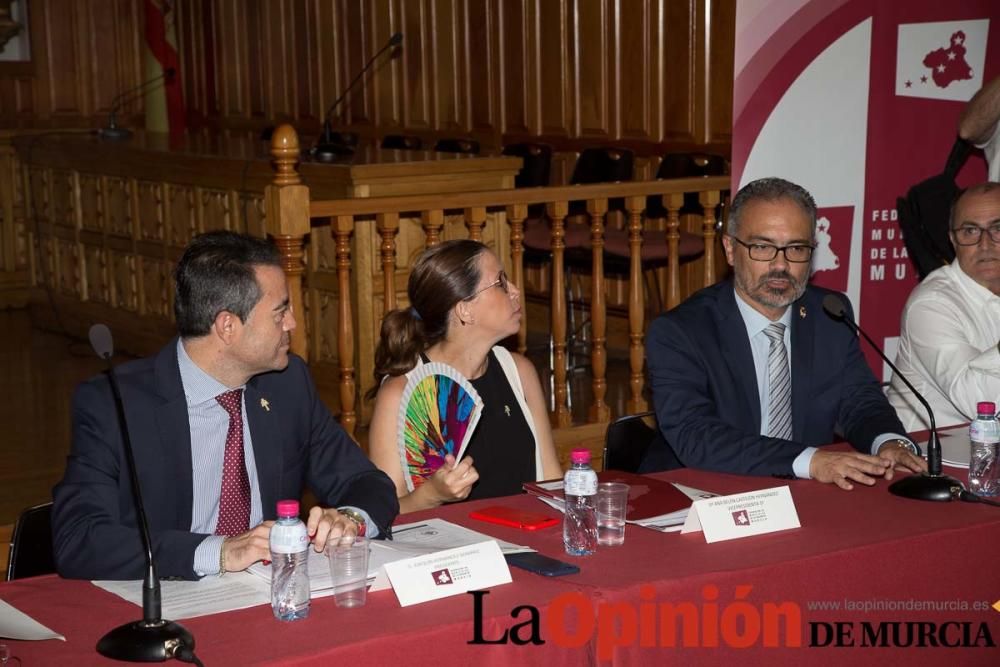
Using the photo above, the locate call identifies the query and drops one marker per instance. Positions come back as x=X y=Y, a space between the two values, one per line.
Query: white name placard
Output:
x=743 y=514
x=449 y=572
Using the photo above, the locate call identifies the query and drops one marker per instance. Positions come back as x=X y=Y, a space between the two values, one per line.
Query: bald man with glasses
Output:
x=750 y=376
x=948 y=346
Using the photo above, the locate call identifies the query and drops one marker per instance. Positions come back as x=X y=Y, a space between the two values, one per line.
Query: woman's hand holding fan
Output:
x=438 y=412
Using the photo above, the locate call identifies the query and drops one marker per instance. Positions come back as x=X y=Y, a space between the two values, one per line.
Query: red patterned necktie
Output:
x=234 y=503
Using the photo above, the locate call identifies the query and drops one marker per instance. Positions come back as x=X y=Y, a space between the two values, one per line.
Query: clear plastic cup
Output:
x=612 y=502
x=349 y=571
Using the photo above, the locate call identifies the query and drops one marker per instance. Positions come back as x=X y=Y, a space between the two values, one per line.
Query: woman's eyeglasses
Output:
x=501 y=281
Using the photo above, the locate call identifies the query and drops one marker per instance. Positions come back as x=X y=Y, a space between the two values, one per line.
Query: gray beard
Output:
x=771 y=298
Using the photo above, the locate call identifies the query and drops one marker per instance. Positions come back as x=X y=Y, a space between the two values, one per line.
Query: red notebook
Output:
x=647 y=496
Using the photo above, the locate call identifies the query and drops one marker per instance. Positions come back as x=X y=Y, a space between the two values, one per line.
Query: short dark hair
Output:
x=770 y=189
x=217 y=273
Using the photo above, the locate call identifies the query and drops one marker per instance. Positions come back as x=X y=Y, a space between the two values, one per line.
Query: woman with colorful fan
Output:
x=449 y=395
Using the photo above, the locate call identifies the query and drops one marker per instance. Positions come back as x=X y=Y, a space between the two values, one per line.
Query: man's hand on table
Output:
x=241 y=551
x=900 y=457
x=841 y=468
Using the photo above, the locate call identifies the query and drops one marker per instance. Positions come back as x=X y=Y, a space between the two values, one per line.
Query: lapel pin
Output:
x=802 y=312
x=506 y=409
x=264 y=404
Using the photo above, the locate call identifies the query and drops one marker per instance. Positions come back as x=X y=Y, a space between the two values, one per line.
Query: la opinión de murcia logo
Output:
x=573 y=620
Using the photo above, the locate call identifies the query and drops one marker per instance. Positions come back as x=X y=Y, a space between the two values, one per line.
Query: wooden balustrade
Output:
x=428 y=213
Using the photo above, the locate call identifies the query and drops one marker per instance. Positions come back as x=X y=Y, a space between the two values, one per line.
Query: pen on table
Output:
x=403 y=530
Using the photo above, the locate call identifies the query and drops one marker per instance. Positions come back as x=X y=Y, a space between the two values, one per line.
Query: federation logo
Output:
x=941 y=60
x=832 y=257
x=741 y=518
x=442 y=577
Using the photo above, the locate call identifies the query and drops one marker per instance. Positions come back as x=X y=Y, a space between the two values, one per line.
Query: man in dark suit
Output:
x=750 y=375
x=224 y=423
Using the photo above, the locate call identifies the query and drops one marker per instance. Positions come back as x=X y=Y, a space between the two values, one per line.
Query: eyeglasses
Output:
x=501 y=281
x=765 y=252
x=972 y=234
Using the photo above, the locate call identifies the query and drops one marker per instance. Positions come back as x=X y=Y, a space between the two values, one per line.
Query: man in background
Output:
x=979 y=124
x=950 y=327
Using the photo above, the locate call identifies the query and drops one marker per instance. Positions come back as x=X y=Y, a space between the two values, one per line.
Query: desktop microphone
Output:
x=330 y=145
x=931 y=485
x=112 y=131
x=152 y=639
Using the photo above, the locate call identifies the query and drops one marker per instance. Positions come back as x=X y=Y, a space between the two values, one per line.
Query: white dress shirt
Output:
x=947 y=349
x=991 y=149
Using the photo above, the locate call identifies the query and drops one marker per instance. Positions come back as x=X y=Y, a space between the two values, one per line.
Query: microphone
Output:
x=152 y=639
x=931 y=485
x=330 y=145
x=112 y=131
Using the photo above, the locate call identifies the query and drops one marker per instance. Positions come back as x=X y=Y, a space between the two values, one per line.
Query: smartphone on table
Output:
x=515 y=518
x=541 y=564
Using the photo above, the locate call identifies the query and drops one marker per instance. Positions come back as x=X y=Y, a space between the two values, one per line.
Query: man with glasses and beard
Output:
x=750 y=376
x=948 y=347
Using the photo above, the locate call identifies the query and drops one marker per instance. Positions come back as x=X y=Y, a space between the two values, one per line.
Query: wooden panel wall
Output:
x=653 y=74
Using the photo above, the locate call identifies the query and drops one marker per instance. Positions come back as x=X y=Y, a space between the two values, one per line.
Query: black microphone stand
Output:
x=332 y=145
x=115 y=132
x=152 y=639
x=931 y=485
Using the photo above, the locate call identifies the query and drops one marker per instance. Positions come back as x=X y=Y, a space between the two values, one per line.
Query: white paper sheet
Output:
x=239 y=590
x=189 y=599
x=408 y=540
x=15 y=624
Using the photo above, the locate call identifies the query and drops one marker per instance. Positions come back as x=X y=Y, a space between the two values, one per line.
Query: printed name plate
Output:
x=743 y=514
x=449 y=572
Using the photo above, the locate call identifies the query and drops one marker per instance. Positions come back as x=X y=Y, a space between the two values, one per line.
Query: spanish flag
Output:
x=164 y=104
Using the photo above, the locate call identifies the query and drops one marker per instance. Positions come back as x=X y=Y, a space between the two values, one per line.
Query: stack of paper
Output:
x=408 y=540
x=955 y=447
x=239 y=590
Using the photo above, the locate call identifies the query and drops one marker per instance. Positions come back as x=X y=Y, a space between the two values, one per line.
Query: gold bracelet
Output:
x=222 y=558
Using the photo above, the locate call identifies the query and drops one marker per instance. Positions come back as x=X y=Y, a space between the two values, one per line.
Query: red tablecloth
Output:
x=919 y=562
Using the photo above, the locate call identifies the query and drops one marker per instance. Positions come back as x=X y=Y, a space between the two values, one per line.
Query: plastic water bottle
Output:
x=289 y=564
x=984 y=434
x=580 y=491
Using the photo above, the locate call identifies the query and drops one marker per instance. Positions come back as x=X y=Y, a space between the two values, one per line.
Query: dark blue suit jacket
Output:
x=296 y=442
x=704 y=387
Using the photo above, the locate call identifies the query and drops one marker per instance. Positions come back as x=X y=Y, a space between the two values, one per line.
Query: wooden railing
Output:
x=291 y=216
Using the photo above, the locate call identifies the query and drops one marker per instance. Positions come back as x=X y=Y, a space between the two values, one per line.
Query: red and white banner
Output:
x=164 y=103
x=858 y=100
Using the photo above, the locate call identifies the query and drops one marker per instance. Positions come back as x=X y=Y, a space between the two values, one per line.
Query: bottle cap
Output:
x=288 y=508
x=986 y=408
x=580 y=455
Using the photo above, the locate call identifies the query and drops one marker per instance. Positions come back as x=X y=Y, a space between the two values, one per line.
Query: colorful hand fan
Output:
x=437 y=414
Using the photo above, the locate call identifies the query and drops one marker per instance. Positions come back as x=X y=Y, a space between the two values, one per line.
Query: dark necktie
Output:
x=234 y=503
x=779 y=383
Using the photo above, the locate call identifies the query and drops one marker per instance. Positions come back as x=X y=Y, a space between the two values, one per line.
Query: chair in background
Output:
x=594 y=165
x=31 y=544
x=402 y=142
x=606 y=164
x=685 y=165
x=537 y=163
x=470 y=146
x=627 y=440
x=655 y=251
